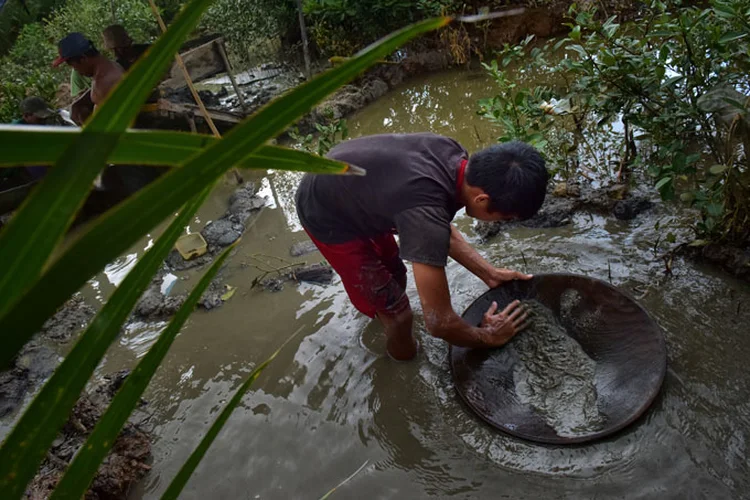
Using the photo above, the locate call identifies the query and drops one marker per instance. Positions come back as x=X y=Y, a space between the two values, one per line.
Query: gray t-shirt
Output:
x=410 y=188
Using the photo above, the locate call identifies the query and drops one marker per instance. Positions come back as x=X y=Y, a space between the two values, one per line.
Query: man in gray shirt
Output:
x=414 y=186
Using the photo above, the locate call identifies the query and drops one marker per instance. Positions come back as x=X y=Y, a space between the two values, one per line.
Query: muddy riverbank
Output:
x=131 y=454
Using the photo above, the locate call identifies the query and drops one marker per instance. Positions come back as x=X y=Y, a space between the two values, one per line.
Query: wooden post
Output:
x=303 y=30
x=190 y=85
x=231 y=76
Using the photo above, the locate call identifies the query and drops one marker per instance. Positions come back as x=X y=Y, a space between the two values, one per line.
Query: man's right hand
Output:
x=503 y=326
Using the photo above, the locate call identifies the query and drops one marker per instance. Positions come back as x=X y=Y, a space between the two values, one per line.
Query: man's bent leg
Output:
x=374 y=290
x=401 y=344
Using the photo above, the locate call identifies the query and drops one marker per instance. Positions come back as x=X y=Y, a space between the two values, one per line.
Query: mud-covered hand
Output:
x=501 y=326
x=499 y=276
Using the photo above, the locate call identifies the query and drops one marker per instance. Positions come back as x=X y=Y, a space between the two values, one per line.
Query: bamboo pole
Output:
x=236 y=88
x=190 y=85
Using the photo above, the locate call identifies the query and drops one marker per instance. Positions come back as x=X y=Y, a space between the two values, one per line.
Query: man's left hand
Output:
x=500 y=276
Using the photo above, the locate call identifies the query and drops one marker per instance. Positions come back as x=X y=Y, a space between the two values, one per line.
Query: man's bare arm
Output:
x=443 y=322
x=467 y=256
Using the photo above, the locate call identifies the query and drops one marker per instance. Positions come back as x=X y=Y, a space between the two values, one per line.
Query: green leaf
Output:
x=28 y=240
x=575 y=34
x=580 y=50
x=179 y=482
x=229 y=293
x=85 y=464
x=731 y=37
x=559 y=44
x=671 y=238
x=671 y=81
x=27 y=444
x=692 y=158
x=118 y=229
x=718 y=169
x=140 y=147
x=715 y=209
x=687 y=197
x=662 y=182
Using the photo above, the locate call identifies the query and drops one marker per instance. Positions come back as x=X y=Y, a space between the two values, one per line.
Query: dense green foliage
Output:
x=671 y=87
x=330 y=132
x=26 y=69
x=340 y=27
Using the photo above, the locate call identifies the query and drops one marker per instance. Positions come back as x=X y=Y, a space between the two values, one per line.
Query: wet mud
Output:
x=565 y=200
x=554 y=375
x=125 y=464
x=732 y=259
x=37 y=360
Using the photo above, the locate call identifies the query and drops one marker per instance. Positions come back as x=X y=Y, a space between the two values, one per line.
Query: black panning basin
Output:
x=625 y=342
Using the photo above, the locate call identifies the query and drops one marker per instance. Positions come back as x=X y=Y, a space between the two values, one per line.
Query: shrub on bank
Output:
x=673 y=86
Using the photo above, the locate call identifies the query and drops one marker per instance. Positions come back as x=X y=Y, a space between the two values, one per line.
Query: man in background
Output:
x=80 y=54
x=36 y=111
x=117 y=39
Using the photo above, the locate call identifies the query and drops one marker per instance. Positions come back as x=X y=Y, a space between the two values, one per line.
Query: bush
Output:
x=340 y=27
x=90 y=17
x=26 y=71
x=675 y=83
x=260 y=21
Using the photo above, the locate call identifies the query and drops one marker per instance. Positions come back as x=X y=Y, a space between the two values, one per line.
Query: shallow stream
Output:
x=332 y=401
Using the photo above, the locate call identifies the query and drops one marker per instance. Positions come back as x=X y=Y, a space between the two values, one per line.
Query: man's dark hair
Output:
x=513 y=175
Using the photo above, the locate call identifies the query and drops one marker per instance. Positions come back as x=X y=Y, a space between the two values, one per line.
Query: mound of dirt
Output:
x=125 y=464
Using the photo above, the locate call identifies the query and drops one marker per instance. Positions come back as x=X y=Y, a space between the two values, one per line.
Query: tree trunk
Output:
x=303 y=30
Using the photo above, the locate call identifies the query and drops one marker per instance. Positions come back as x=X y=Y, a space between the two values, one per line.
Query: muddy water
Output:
x=332 y=401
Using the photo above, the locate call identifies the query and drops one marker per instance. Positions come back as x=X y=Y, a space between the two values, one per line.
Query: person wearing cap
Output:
x=117 y=40
x=80 y=53
x=36 y=111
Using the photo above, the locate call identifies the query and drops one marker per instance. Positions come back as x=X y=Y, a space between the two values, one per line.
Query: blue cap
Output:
x=73 y=45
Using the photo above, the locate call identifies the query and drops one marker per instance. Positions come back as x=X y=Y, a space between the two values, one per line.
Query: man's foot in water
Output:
x=402 y=349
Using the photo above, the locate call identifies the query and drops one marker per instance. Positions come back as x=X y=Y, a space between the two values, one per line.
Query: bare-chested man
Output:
x=81 y=54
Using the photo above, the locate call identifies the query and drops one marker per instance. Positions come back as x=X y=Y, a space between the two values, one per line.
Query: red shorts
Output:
x=373 y=274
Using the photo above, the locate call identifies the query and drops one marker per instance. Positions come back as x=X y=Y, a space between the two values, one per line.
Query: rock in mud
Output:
x=244 y=202
x=564 y=200
x=555 y=376
x=154 y=305
x=631 y=208
x=735 y=260
x=125 y=464
x=555 y=212
x=374 y=90
x=70 y=319
x=222 y=233
x=302 y=248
